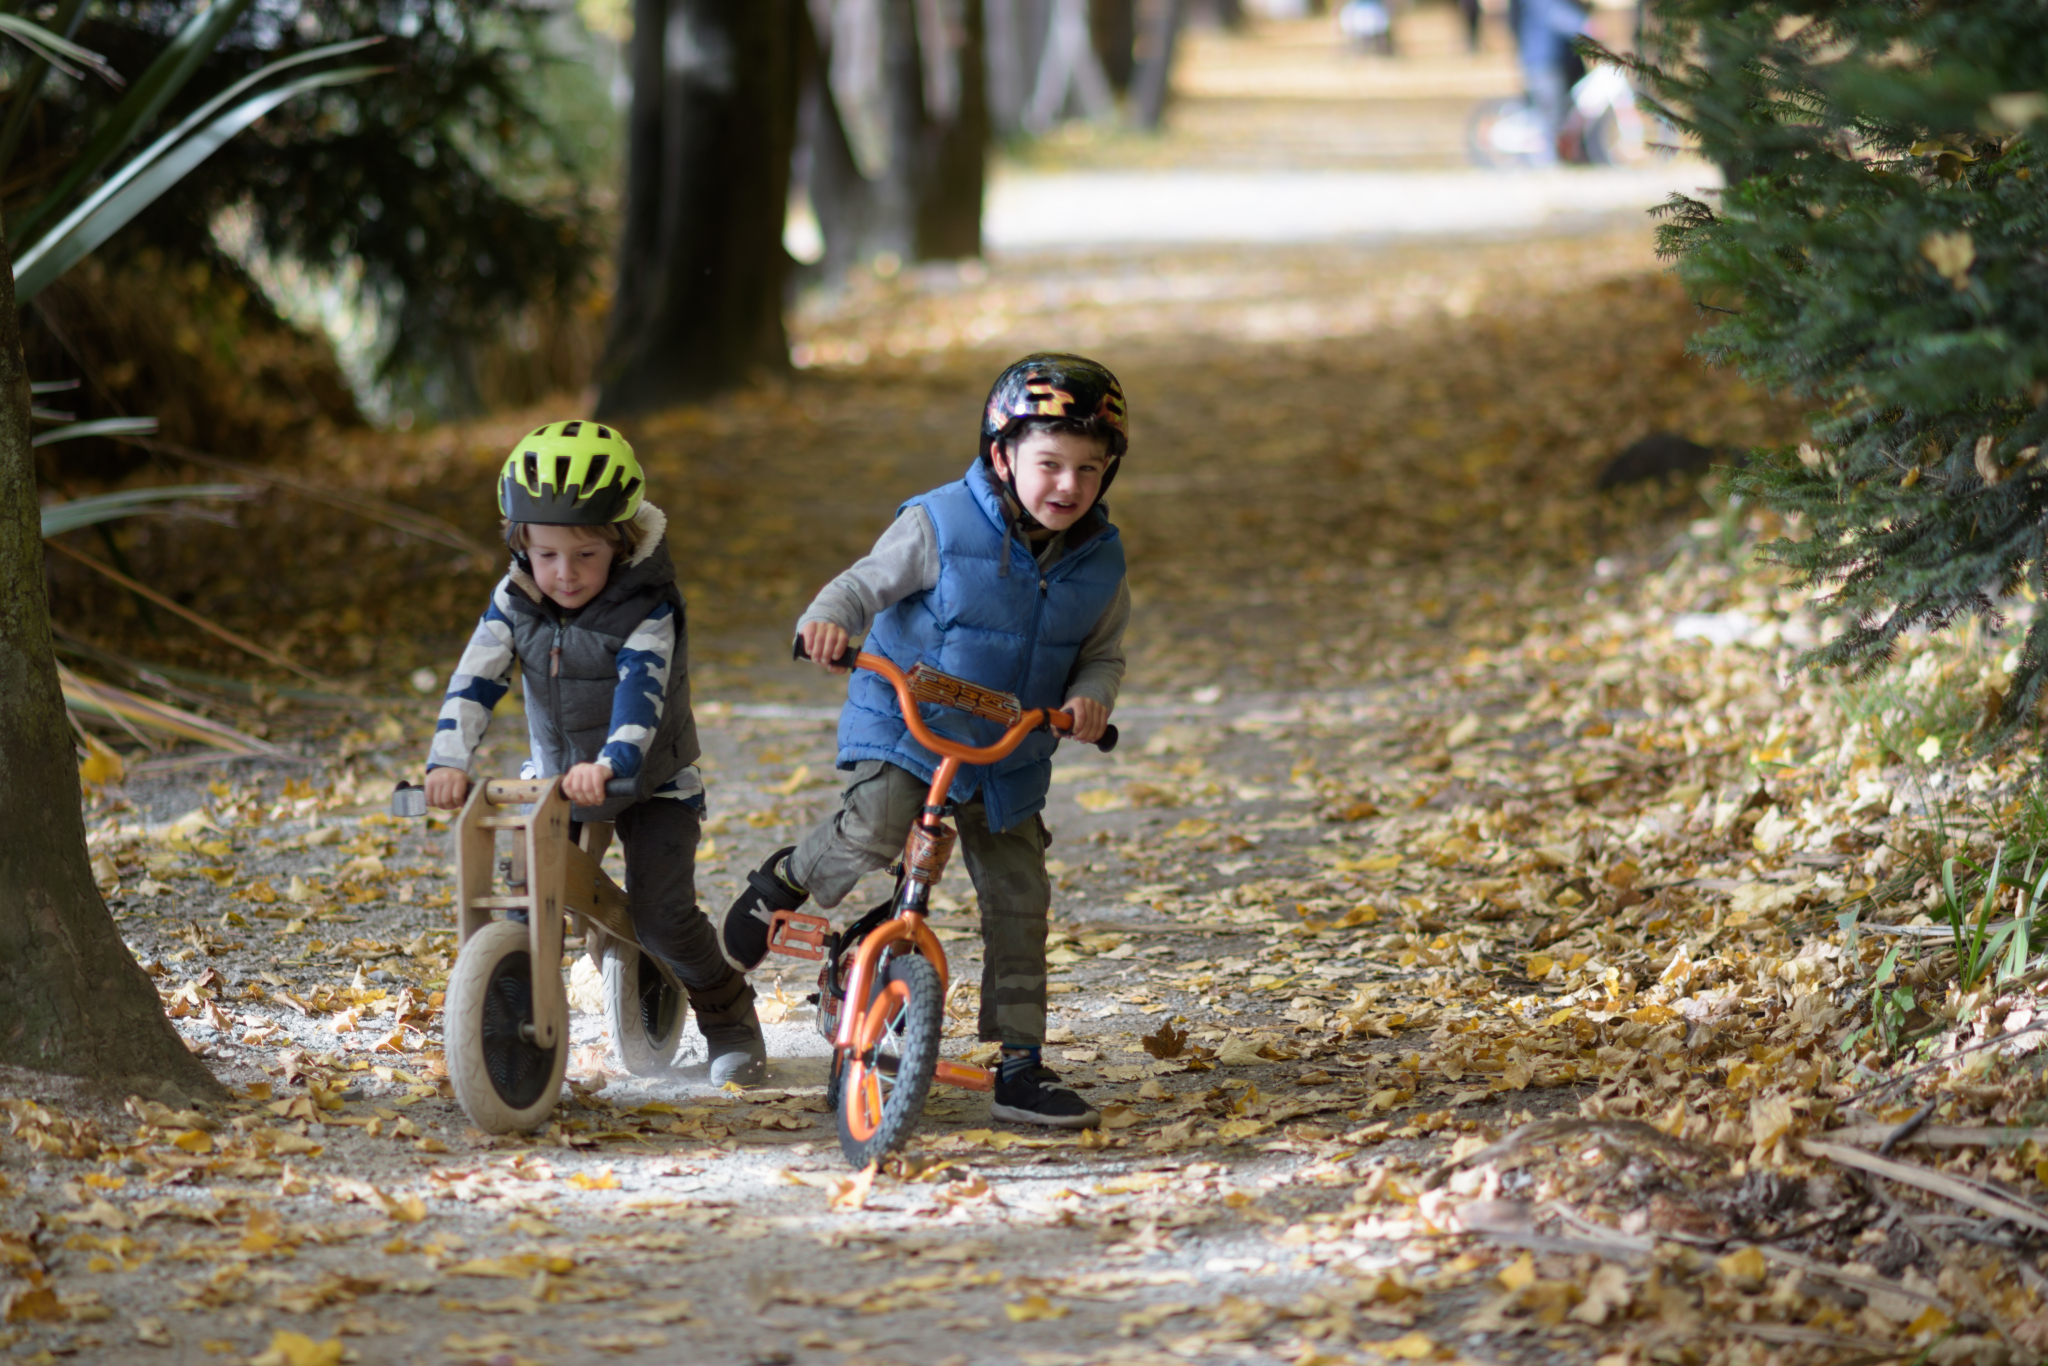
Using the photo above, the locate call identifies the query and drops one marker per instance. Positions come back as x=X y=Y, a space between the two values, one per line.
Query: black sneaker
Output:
x=744 y=934
x=1030 y=1095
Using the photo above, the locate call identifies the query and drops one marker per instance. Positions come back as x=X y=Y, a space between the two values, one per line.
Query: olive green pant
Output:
x=1007 y=869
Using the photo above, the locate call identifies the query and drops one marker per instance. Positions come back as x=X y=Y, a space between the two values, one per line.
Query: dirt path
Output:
x=1228 y=1187
x=1452 y=799
x=1364 y=841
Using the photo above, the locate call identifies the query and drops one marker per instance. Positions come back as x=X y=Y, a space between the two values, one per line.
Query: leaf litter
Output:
x=1482 y=945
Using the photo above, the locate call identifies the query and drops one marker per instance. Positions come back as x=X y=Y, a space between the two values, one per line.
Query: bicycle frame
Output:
x=925 y=854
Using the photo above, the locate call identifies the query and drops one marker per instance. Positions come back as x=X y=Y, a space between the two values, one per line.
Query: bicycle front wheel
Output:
x=504 y=1082
x=883 y=1085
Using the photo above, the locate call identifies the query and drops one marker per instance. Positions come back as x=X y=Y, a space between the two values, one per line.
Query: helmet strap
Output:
x=1014 y=508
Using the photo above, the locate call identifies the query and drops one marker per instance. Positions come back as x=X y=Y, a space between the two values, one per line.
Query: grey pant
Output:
x=1007 y=869
x=659 y=841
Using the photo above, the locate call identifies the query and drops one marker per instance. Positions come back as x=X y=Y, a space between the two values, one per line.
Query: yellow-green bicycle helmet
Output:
x=577 y=473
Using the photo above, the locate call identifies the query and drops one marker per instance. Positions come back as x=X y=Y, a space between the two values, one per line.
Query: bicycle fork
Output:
x=926 y=852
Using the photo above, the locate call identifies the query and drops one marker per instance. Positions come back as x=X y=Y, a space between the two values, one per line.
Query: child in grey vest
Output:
x=591 y=612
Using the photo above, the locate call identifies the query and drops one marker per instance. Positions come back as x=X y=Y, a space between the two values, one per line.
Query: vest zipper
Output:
x=555 y=691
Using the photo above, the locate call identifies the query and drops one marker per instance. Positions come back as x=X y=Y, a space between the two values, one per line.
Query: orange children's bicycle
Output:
x=882 y=992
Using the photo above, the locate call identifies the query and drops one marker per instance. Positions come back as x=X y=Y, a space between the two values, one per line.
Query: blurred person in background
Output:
x=1544 y=30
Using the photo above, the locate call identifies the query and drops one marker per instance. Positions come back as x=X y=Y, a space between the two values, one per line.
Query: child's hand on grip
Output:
x=584 y=784
x=1090 y=718
x=447 y=788
x=824 y=641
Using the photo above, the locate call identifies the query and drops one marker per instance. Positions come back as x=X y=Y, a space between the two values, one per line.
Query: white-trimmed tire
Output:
x=644 y=1010
x=503 y=1082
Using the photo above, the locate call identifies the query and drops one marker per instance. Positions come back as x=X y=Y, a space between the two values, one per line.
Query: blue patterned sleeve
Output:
x=644 y=663
x=481 y=678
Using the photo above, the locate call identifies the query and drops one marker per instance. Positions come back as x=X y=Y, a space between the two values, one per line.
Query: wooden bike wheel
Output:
x=504 y=1082
x=643 y=1010
x=883 y=1084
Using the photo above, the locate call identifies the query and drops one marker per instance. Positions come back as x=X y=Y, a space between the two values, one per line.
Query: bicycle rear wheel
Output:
x=882 y=1087
x=643 y=1009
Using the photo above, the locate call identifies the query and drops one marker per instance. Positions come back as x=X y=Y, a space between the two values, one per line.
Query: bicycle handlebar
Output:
x=855 y=658
x=408 y=800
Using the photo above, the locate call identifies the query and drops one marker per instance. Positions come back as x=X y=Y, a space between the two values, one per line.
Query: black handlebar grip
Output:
x=622 y=787
x=849 y=658
x=1108 y=740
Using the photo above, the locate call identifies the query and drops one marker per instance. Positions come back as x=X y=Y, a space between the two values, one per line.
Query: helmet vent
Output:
x=532 y=480
x=561 y=471
x=604 y=434
x=627 y=490
x=571 y=428
x=593 y=477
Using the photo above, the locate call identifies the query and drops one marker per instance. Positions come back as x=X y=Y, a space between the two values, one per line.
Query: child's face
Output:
x=569 y=563
x=1059 y=475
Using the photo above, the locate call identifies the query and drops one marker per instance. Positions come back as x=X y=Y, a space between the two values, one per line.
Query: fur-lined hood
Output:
x=650 y=525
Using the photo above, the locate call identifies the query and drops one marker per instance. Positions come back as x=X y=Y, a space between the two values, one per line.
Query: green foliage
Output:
x=156 y=169
x=73 y=513
x=1990 y=902
x=457 y=197
x=1878 y=250
x=1892 y=1002
x=1926 y=708
x=1972 y=894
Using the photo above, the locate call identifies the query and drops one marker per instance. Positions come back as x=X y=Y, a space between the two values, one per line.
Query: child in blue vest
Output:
x=1013 y=578
x=591 y=613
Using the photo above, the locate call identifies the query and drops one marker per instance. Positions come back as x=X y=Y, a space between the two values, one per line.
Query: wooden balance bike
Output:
x=882 y=993
x=505 y=1019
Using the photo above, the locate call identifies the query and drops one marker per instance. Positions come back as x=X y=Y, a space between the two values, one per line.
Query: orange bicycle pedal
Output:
x=798 y=934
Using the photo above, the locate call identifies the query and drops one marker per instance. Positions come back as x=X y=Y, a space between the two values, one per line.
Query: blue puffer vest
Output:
x=1020 y=633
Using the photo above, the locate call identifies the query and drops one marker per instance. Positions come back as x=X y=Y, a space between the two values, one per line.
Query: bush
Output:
x=1878 y=251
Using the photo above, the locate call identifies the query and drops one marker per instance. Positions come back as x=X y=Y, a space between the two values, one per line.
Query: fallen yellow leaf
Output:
x=1746 y=1267
x=101 y=765
x=1407 y=1347
x=1032 y=1308
x=296 y=1349
x=851 y=1193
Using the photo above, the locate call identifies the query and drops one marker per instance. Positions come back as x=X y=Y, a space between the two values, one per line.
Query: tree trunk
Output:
x=1068 y=76
x=1154 y=76
x=1004 y=64
x=907 y=75
x=1116 y=40
x=841 y=196
x=701 y=265
x=72 y=999
x=955 y=151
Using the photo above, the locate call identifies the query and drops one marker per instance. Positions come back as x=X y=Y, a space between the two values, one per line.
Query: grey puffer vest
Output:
x=570 y=665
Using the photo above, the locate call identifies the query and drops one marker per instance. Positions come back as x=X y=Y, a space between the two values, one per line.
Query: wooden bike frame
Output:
x=557 y=875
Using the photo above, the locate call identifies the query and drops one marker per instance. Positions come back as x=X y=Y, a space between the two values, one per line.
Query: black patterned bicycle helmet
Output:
x=1055 y=385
